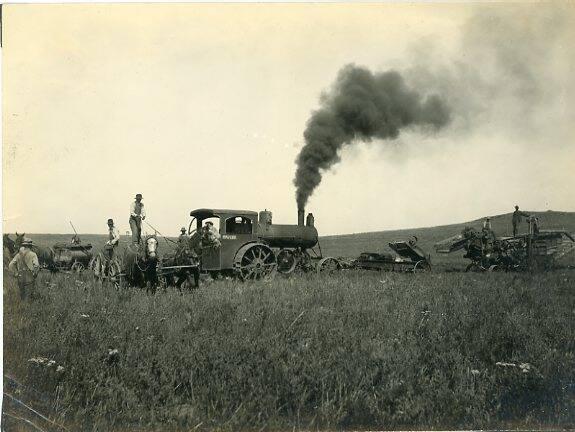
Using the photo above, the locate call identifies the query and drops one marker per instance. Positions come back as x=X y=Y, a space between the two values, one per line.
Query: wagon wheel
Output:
x=92 y=263
x=189 y=282
x=95 y=266
x=162 y=281
x=328 y=265
x=114 y=273
x=304 y=262
x=474 y=267
x=77 y=267
x=421 y=266
x=255 y=262
x=287 y=261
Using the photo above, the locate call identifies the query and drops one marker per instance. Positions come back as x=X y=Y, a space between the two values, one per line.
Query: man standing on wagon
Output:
x=113 y=240
x=137 y=215
x=516 y=219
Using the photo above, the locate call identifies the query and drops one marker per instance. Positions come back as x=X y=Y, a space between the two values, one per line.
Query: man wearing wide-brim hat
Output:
x=137 y=215
x=25 y=267
x=113 y=239
x=516 y=219
x=183 y=238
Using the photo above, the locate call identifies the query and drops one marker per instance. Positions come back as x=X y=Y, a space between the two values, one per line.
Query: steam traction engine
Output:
x=252 y=247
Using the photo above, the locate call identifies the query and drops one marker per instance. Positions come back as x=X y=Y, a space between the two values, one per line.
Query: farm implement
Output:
x=409 y=258
x=72 y=256
x=536 y=250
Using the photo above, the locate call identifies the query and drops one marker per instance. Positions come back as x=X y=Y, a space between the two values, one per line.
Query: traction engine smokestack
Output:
x=300 y=216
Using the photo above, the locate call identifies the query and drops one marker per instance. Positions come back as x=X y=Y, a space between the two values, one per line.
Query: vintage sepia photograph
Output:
x=288 y=216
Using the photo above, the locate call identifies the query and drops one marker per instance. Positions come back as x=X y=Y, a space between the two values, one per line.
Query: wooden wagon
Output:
x=409 y=258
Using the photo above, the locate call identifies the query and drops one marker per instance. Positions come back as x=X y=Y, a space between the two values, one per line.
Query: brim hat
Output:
x=139 y=196
x=110 y=221
x=27 y=242
x=183 y=229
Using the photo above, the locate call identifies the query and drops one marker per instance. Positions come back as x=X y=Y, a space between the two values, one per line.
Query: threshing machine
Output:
x=535 y=250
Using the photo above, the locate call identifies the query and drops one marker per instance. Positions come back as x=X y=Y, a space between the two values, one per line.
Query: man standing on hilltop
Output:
x=516 y=219
x=137 y=215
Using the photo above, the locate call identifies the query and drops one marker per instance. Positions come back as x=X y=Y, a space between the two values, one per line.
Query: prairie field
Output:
x=350 y=350
x=344 y=351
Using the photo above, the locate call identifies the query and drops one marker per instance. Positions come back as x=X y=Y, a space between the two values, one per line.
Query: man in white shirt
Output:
x=113 y=240
x=25 y=267
x=137 y=215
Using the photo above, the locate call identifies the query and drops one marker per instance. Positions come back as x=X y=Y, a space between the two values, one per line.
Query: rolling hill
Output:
x=351 y=245
x=354 y=244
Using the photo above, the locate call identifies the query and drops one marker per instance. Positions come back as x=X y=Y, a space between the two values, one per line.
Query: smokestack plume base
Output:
x=300 y=216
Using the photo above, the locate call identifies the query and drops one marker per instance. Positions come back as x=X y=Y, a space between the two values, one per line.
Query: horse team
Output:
x=141 y=265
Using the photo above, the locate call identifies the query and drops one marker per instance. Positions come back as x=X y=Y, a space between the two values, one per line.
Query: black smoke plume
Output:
x=360 y=107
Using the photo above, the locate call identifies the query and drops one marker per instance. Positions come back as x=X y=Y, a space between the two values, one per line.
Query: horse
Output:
x=140 y=261
x=9 y=248
x=45 y=254
x=185 y=255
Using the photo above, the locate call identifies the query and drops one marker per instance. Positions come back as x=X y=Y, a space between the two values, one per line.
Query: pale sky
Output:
x=204 y=105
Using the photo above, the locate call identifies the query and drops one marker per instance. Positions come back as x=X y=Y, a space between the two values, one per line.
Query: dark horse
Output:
x=9 y=248
x=181 y=276
x=45 y=254
x=140 y=262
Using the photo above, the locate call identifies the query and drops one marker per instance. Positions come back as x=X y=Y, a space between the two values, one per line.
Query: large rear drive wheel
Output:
x=255 y=262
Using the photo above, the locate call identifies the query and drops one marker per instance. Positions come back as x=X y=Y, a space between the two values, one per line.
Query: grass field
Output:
x=350 y=350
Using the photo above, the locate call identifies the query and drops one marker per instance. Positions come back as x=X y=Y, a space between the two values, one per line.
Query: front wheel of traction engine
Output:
x=286 y=261
x=328 y=265
x=255 y=262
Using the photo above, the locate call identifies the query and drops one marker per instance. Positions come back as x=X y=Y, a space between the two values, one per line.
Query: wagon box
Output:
x=72 y=256
x=411 y=258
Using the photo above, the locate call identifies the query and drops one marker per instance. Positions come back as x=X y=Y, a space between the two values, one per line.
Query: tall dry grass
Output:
x=352 y=350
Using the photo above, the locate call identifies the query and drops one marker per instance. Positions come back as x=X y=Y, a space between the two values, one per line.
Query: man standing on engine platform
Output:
x=516 y=219
x=137 y=215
